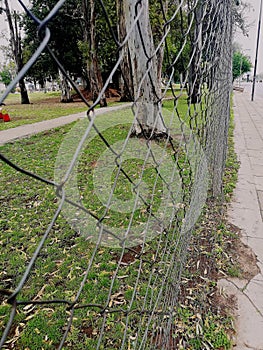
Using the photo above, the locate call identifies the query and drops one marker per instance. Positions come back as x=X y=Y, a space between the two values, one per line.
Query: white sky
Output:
x=249 y=43
x=14 y=4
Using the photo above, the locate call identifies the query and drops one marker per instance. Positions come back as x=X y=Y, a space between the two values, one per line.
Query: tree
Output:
x=241 y=64
x=16 y=45
x=5 y=76
x=240 y=8
x=66 y=33
x=89 y=38
x=160 y=13
x=146 y=85
x=196 y=55
x=125 y=80
x=79 y=40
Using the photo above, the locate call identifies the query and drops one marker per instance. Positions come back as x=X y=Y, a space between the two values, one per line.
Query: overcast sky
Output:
x=249 y=43
x=14 y=4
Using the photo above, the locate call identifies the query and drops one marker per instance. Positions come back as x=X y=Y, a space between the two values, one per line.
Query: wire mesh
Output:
x=127 y=188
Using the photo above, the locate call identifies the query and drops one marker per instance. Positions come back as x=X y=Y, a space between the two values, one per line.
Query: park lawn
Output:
x=27 y=207
x=44 y=106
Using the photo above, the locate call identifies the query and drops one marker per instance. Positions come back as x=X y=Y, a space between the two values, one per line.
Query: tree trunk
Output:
x=23 y=92
x=147 y=87
x=66 y=96
x=125 y=83
x=196 y=57
x=160 y=53
x=15 y=41
x=93 y=69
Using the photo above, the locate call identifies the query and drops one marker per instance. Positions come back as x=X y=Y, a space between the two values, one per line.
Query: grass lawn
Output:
x=44 y=106
x=126 y=282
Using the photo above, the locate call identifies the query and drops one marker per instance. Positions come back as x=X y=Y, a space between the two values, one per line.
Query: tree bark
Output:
x=126 y=82
x=15 y=41
x=196 y=56
x=160 y=53
x=93 y=69
x=147 y=87
x=66 y=96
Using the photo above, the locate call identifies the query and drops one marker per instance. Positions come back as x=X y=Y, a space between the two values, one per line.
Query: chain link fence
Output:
x=130 y=185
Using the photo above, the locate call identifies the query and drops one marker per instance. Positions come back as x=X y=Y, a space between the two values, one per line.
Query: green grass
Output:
x=26 y=210
x=203 y=331
x=232 y=163
x=44 y=106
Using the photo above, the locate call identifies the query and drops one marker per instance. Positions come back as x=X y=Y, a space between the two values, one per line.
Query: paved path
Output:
x=246 y=212
x=31 y=129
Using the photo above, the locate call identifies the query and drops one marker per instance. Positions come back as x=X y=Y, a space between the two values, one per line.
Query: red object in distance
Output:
x=6 y=117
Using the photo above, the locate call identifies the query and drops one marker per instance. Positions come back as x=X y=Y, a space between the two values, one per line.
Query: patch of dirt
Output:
x=163 y=341
x=227 y=305
x=130 y=256
x=213 y=250
x=247 y=260
x=111 y=95
x=88 y=331
x=243 y=256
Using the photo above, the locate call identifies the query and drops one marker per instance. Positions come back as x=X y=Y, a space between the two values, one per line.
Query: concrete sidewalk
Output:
x=246 y=212
x=12 y=134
